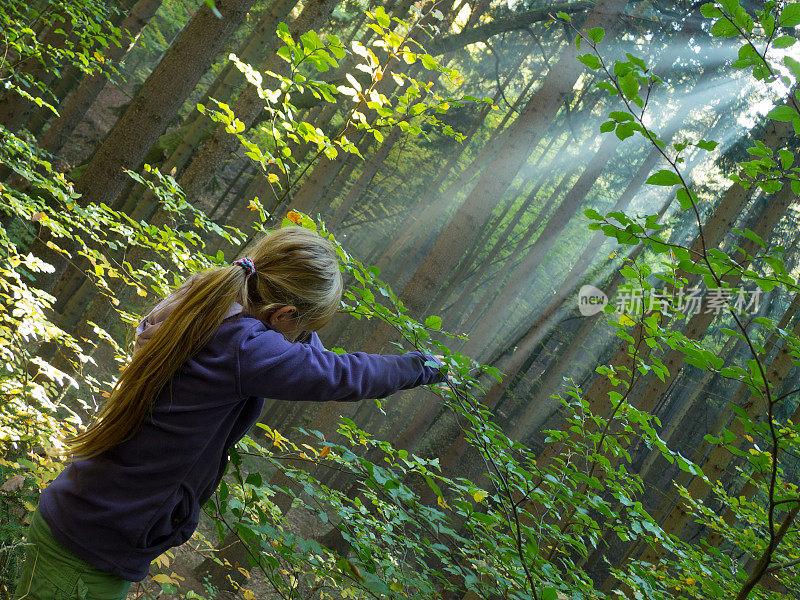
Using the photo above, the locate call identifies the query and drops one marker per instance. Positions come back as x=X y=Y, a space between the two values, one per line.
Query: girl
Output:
x=203 y=361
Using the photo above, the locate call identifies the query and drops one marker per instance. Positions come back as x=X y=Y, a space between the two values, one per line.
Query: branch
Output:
x=484 y=32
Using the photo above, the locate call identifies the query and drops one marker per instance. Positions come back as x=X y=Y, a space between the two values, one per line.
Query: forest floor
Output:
x=188 y=556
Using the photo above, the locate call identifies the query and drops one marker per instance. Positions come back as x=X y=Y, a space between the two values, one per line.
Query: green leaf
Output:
x=620 y=116
x=707 y=145
x=593 y=214
x=784 y=41
x=596 y=34
x=433 y=322
x=548 y=594
x=783 y=113
x=625 y=130
x=590 y=60
x=254 y=479
x=629 y=85
x=212 y=6
x=724 y=28
x=787 y=158
x=381 y=16
x=790 y=16
x=664 y=177
x=792 y=65
x=686 y=199
x=429 y=62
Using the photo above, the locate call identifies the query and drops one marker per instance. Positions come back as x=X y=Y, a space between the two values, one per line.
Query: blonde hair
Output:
x=293 y=266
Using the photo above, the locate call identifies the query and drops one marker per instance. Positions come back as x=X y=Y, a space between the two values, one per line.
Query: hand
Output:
x=443 y=386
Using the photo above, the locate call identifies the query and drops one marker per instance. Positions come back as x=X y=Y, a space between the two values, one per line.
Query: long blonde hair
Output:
x=293 y=266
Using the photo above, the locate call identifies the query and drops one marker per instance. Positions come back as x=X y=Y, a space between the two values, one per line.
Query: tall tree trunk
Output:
x=537 y=253
x=365 y=178
x=72 y=75
x=247 y=108
x=569 y=207
x=79 y=101
x=259 y=46
x=465 y=270
x=159 y=100
x=418 y=220
x=261 y=42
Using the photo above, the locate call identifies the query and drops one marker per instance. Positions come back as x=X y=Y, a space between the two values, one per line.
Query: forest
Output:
x=587 y=208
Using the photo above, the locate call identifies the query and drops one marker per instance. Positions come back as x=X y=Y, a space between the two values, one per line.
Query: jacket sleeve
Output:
x=270 y=366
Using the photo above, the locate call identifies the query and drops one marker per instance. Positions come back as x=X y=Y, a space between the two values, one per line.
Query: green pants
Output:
x=50 y=572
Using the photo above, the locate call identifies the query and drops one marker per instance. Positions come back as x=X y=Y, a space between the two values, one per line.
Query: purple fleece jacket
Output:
x=122 y=509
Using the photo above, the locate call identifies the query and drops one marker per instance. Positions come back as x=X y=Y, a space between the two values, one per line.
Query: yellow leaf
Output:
x=162 y=578
x=272 y=178
x=749 y=439
x=396 y=587
x=626 y=320
x=441 y=502
x=479 y=495
x=248 y=595
x=162 y=561
x=325 y=451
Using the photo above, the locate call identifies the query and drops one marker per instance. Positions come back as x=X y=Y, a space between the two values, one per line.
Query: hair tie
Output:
x=247 y=264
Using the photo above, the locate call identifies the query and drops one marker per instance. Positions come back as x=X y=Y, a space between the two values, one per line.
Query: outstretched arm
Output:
x=270 y=366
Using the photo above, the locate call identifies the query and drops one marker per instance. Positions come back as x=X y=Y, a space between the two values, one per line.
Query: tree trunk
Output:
x=77 y=103
x=465 y=268
x=246 y=108
x=260 y=46
x=159 y=100
x=416 y=221
x=568 y=208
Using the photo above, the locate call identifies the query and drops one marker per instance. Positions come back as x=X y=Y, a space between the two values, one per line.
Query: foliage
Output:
x=412 y=530
x=76 y=32
x=765 y=515
x=370 y=105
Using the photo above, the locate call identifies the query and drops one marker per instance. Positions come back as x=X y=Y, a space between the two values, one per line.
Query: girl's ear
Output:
x=283 y=315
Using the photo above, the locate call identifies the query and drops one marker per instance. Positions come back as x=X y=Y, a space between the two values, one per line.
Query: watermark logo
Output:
x=591 y=300
x=690 y=301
